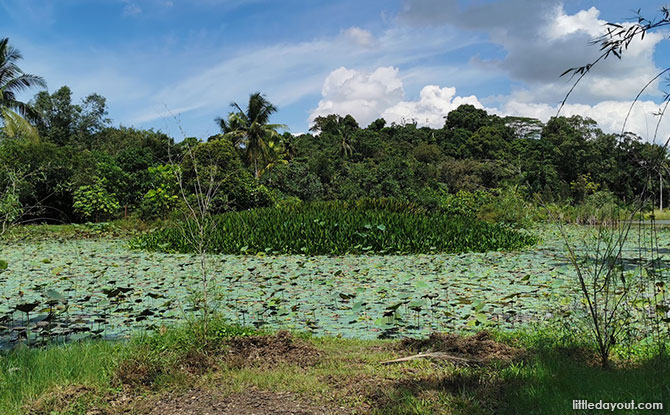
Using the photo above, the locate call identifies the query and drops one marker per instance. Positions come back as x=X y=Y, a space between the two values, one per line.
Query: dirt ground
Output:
x=250 y=402
x=480 y=348
x=269 y=351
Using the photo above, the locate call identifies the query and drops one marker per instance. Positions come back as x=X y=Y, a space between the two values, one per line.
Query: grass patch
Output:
x=658 y=214
x=26 y=374
x=335 y=228
x=185 y=362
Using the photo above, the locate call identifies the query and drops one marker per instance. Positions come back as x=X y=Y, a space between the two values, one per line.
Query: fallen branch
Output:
x=434 y=355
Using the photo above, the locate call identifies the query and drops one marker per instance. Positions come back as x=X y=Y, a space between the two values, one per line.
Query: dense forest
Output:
x=79 y=167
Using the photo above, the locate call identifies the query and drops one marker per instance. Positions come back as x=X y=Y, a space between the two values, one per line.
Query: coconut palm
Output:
x=15 y=115
x=250 y=131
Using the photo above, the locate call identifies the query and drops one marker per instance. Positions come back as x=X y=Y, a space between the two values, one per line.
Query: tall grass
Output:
x=335 y=228
x=27 y=373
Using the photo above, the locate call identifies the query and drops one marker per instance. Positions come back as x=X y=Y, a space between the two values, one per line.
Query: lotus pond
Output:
x=64 y=289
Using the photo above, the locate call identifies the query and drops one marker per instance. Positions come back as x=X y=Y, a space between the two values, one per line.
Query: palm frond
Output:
x=12 y=81
x=23 y=82
x=17 y=126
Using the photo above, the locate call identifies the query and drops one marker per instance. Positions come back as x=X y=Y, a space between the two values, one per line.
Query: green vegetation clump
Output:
x=335 y=228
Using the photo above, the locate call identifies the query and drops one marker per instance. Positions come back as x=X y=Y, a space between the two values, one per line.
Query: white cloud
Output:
x=585 y=21
x=380 y=93
x=360 y=37
x=541 y=41
x=432 y=107
x=292 y=71
x=364 y=95
x=370 y=95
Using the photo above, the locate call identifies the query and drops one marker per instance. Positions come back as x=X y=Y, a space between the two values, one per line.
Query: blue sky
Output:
x=157 y=60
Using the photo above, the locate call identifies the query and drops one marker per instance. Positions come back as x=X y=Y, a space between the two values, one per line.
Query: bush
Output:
x=162 y=198
x=295 y=179
x=325 y=228
x=465 y=203
x=602 y=206
x=599 y=207
x=509 y=207
x=94 y=201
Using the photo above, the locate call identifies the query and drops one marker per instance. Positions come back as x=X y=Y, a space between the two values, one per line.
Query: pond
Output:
x=73 y=288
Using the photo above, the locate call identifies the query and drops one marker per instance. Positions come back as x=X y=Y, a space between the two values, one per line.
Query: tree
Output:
x=58 y=115
x=250 y=130
x=341 y=127
x=15 y=114
x=467 y=117
x=64 y=123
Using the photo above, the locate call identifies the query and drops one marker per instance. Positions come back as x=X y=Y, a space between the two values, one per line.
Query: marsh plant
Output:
x=336 y=228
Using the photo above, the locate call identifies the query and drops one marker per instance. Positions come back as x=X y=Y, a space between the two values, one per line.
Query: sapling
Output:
x=611 y=294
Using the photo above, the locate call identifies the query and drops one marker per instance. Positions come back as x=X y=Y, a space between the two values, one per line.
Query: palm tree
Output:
x=15 y=115
x=249 y=130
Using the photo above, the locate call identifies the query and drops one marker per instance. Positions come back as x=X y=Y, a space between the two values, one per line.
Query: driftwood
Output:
x=434 y=355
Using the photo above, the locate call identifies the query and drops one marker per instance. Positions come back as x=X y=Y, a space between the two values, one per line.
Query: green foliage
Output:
x=217 y=161
x=563 y=161
x=295 y=179
x=11 y=209
x=599 y=207
x=509 y=206
x=64 y=123
x=339 y=228
x=465 y=203
x=162 y=197
x=94 y=201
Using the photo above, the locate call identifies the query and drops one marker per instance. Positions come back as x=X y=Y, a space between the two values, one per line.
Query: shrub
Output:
x=217 y=161
x=162 y=198
x=295 y=179
x=465 y=203
x=94 y=201
x=509 y=207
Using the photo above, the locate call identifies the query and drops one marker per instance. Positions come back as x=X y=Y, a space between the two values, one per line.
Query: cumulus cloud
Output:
x=432 y=107
x=585 y=21
x=370 y=95
x=364 y=95
x=541 y=40
x=610 y=116
x=288 y=72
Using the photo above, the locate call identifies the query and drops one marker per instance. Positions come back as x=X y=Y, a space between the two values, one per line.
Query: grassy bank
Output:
x=538 y=371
